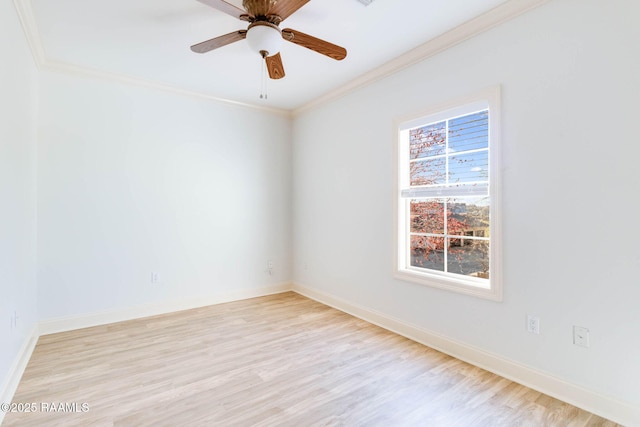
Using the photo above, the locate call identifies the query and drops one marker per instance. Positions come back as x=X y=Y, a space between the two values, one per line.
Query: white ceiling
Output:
x=150 y=40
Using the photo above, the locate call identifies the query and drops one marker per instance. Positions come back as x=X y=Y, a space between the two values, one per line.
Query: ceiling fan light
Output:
x=264 y=37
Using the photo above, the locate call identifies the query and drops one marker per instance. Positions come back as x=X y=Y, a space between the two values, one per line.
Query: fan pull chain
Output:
x=263 y=79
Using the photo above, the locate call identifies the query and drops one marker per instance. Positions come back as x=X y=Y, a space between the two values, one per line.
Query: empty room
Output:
x=319 y=213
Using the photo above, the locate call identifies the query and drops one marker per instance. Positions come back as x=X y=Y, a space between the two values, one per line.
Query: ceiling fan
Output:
x=264 y=34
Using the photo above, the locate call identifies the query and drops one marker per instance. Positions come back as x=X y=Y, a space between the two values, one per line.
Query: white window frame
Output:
x=491 y=288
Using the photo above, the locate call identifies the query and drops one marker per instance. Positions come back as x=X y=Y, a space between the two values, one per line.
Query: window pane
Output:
x=469 y=132
x=427 y=141
x=471 y=167
x=456 y=216
x=427 y=252
x=469 y=216
x=469 y=257
x=428 y=172
x=427 y=216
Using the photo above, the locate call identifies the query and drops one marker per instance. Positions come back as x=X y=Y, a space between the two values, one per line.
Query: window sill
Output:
x=461 y=286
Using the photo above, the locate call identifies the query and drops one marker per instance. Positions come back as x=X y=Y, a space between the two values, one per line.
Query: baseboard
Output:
x=63 y=324
x=10 y=385
x=606 y=407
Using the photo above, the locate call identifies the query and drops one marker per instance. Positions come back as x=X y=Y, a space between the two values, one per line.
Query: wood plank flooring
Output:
x=281 y=360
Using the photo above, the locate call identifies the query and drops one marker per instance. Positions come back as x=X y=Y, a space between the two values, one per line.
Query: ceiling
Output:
x=149 y=40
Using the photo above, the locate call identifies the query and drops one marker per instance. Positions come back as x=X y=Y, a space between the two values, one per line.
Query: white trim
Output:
x=10 y=384
x=24 y=9
x=69 y=68
x=443 y=191
x=63 y=324
x=615 y=410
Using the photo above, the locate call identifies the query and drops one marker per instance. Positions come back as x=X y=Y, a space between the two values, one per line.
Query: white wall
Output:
x=133 y=180
x=18 y=114
x=570 y=89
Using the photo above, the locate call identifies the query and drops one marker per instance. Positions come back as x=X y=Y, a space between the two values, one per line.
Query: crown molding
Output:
x=65 y=67
x=27 y=19
x=469 y=29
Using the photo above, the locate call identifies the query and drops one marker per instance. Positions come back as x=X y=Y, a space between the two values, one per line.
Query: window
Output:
x=447 y=197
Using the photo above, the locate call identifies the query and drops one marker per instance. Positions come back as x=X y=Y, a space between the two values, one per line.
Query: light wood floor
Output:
x=281 y=360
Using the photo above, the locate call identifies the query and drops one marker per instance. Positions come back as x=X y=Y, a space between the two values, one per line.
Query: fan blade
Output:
x=220 y=41
x=285 y=8
x=275 y=67
x=331 y=50
x=225 y=7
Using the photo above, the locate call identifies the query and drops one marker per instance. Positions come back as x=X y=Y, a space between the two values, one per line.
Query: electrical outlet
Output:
x=155 y=277
x=270 y=265
x=581 y=336
x=533 y=324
